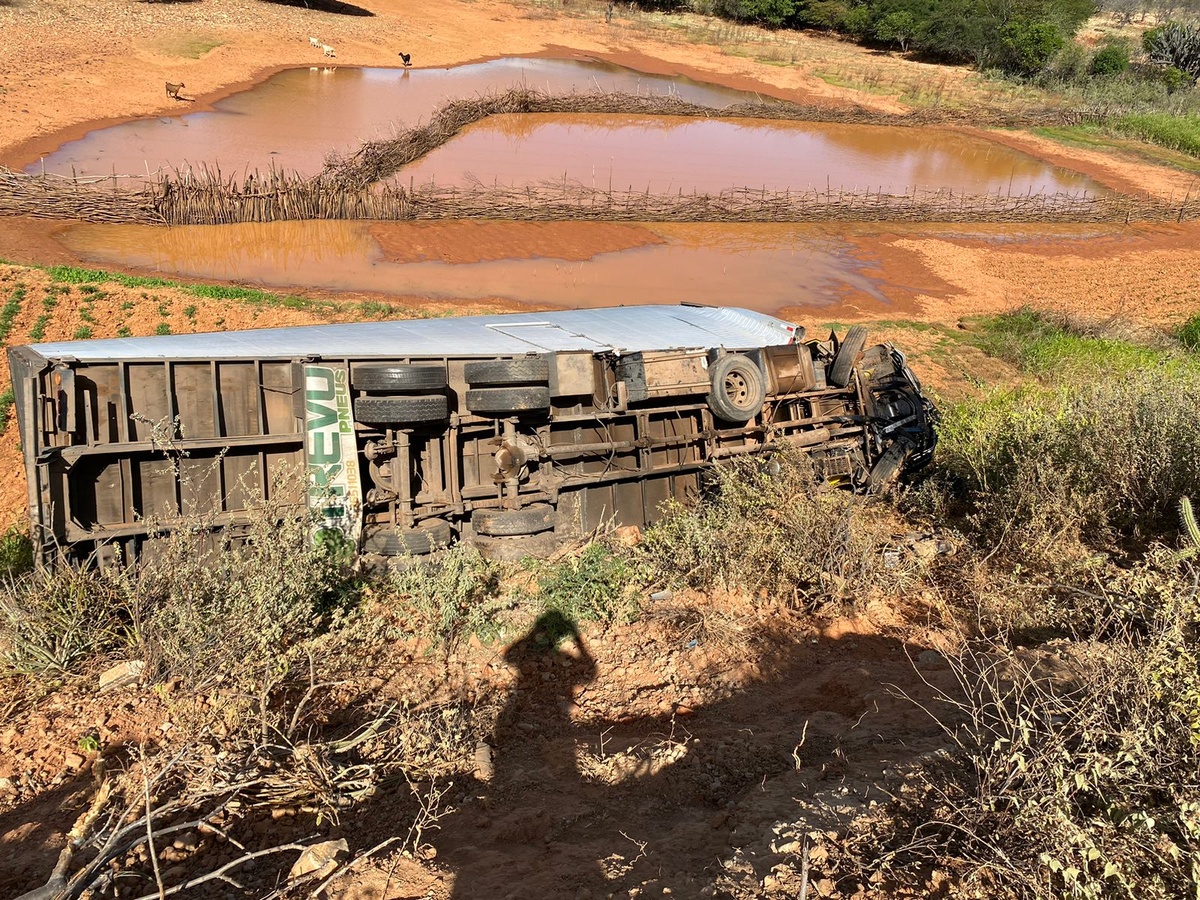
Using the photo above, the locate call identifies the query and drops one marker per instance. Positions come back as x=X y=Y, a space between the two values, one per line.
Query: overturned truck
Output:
x=509 y=431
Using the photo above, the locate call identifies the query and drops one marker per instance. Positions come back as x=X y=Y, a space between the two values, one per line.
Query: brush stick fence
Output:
x=354 y=186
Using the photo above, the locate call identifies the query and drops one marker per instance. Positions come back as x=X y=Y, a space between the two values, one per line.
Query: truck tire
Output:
x=399 y=379
x=526 y=370
x=512 y=522
x=515 y=549
x=847 y=355
x=504 y=401
x=390 y=411
x=738 y=388
x=427 y=536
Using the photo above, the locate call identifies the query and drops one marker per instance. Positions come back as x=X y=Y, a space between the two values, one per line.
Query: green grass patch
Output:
x=16 y=549
x=38 y=331
x=76 y=275
x=1093 y=137
x=12 y=309
x=1046 y=348
x=1189 y=333
x=197 y=48
x=162 y=328
x=82 y=333
x=1176 y=132
x=839 y=81
x=7 y=399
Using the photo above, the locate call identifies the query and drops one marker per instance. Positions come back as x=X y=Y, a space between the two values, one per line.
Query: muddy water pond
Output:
x=665 y=154
x=564 y=264
x=293 y=119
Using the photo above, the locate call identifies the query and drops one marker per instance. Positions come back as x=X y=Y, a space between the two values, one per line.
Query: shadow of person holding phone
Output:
x=537 y=803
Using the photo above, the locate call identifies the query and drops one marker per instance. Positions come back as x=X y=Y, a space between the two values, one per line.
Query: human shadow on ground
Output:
x=609 y=775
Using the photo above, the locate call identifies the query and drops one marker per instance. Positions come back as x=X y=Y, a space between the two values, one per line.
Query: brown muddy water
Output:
x=665 y=154
x=764 y=267
x=293 y=119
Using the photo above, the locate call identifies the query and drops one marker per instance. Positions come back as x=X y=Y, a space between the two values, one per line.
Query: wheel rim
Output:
x=737 y=388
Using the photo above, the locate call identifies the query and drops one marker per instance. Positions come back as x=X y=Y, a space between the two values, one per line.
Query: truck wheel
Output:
x=511 y=522
x=388 y=411
x=738 y=388
x=502 y=401
x=526 y=370
x=399 y=379
x=847 y=355
x=515 y=549
x=427 y=536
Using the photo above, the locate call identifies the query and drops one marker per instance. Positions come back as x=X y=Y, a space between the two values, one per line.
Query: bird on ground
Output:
x=405 y=58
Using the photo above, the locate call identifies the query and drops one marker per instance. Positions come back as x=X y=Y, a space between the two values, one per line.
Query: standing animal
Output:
x=174 y=89
x=328 y=50
x=405 y=58
x=314 y=42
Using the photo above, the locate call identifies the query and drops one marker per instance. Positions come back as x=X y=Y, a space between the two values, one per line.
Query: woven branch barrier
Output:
x=281 y=196
x=353 y=186
x=50 y=198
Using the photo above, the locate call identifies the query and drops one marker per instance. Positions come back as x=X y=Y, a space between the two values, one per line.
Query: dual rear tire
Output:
x=413 y=395
x=507 y=387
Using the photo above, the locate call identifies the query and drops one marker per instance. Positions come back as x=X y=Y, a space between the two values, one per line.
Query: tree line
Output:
x=1016 y=36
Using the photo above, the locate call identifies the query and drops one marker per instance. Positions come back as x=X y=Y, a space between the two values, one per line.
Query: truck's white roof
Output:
x=622 y=329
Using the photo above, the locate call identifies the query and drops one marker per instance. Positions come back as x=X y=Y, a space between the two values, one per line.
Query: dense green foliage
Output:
x=1019 y=37
x=1111 y=60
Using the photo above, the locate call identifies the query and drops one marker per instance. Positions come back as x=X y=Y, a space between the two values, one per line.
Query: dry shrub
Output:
x=1075 y=768
x=53 y=621
x=195 y=606
x=770 y=528
x=246 y=604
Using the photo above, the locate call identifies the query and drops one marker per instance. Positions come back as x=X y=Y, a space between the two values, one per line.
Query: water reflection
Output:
x=666 y=154
x=764 y=267
x=293 y=119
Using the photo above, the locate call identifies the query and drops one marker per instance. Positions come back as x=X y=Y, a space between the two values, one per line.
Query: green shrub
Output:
x=1189 y=333
x=16 y=552
x=1080 y=764
x=1175 y=80
x=56 y=620
x=1096 y=463
x=1175 y=44
x=242 y=607
x=1111 y=60
x=1070 y=65
x=897 y=27
x=1026 y=46
x=454 y=595
x=597 y=586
